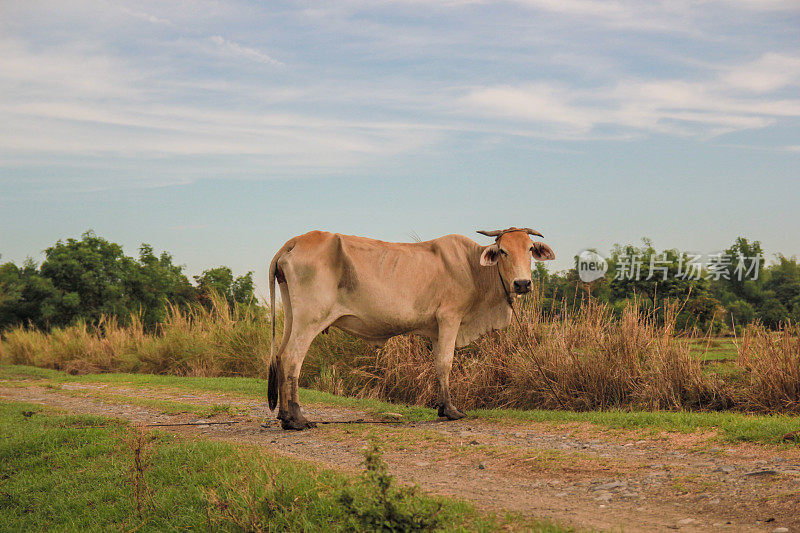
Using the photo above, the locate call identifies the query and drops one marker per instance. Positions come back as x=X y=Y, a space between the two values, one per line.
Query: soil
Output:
x=575 y=474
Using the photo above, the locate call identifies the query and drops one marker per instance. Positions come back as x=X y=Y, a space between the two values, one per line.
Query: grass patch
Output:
x=168 y=407
x=730 y=426
x=58 y=474
x=714 y=349
x=244 y=387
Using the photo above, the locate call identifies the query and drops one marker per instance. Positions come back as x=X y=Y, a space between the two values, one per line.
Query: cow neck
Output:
x=509 y=298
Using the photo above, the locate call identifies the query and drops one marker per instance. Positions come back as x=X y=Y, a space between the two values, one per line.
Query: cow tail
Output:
x=275 y=357
x=272 y=382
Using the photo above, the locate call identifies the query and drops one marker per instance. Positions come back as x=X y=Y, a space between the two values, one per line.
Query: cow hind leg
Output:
x=443 y=359
x=289 y=412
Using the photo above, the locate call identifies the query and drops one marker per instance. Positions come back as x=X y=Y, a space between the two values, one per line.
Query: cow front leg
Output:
x=443 y=359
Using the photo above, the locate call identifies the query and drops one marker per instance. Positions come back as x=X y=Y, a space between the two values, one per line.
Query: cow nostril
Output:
x=521 y=286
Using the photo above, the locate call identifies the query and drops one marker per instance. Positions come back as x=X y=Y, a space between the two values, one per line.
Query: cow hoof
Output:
x=450 y=413
x=297 y=424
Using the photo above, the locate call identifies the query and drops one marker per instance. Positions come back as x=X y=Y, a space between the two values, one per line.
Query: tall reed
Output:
x=582 y=361
x=771 y=364
x=220 y=341
x=579 y=359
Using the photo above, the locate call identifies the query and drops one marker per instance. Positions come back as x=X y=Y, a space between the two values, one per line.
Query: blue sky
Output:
x=217 y=130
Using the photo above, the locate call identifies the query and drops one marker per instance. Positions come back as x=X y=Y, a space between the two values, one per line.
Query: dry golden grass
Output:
x=221 y=341
x=584 y=359
x=771 y=361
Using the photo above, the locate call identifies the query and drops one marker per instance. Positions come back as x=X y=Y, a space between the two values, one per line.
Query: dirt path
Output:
x=575 y=474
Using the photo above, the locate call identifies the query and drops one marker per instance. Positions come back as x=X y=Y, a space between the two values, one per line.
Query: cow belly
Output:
x=375 y=331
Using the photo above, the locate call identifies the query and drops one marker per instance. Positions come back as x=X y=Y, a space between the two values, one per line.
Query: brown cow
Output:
x=449 y=289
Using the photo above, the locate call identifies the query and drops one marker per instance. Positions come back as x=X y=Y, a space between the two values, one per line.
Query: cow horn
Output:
x=498 y=232
x=530 y=231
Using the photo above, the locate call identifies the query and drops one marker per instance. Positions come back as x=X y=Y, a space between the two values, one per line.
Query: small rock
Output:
x=604 y=496
x=481 y=466
x=714 y=501
x=610 y=486
x=520 y=435
x=724 y=469
x=561 y=494
x=781 y=530
x=396 y=416
x=687 y=522
x=202 y=426
x=762 y=473
x=473 y=442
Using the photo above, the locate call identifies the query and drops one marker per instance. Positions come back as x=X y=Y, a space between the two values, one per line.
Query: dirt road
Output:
x=577 y=474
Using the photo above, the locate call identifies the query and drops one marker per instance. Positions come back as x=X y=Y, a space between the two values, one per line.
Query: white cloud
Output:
x=77 y=70
x=770 y=72
x=737 y=99
x=540 y=102
x=243 y=51
x=146 y=16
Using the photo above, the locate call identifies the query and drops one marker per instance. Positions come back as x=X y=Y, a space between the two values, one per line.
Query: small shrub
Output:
x=377 y=504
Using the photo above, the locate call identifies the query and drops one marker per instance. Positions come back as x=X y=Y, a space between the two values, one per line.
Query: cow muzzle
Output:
x=522 y=286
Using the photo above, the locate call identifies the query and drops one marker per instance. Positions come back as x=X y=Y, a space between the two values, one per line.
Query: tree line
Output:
x=732 y=289
x=87 y=278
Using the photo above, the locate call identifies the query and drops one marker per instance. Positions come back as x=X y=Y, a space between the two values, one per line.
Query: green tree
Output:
x=90 y=275
x=27 y=297
x=220 y=280
x=157 y=282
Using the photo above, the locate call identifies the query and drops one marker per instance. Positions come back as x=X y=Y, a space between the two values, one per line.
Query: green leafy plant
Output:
x=378 y=504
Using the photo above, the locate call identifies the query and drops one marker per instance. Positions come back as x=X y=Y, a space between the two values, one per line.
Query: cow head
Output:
x=512 y=252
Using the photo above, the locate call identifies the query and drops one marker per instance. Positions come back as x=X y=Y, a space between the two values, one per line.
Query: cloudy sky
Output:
x=217 y=130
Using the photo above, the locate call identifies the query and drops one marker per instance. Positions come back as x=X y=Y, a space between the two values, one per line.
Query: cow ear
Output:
x=542 y=252
x=490 y=255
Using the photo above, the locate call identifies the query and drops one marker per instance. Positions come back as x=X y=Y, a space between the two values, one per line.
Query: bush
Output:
x=377 y=504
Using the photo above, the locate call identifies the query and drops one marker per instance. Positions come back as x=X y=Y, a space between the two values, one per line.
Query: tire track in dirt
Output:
x=573 y=473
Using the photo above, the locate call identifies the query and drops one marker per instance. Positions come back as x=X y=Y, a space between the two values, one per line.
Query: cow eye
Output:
x=503 y=252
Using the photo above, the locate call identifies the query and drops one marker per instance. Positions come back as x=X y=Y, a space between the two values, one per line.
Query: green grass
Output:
x=74 y=473
x=245 y=387
x=715 y=349
x=731 y=426
x=168 y=407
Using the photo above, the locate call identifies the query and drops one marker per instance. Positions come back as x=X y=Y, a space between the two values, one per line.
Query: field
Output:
x=639 y=427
